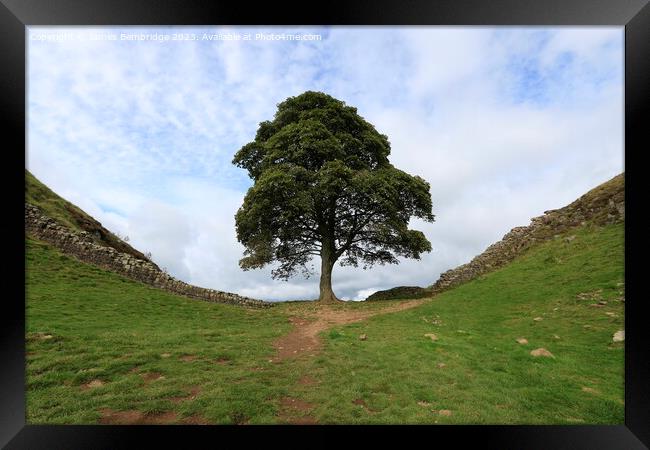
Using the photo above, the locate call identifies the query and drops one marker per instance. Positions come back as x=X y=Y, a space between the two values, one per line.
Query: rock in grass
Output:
x=537 y=319
x=522 y=340
x=432 y=336
x=444 y=412
x=363 y=337
x=619 y=336
x=542 y=352
x=94 y=384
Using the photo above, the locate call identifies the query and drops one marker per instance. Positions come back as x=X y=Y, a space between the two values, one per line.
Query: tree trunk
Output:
x=327 y=264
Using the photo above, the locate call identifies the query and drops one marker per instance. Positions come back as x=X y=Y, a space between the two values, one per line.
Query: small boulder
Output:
x=94 y=384
x=538 y=319
x=542 y=352
x=363 y=337
x=619 y=336
x=522 y=340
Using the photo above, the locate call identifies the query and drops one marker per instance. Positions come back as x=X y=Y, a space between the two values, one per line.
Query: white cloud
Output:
x=503 y=123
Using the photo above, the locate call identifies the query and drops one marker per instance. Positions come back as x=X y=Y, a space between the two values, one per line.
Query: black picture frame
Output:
x=16 y=15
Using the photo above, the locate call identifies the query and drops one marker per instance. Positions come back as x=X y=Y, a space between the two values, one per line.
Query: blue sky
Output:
x=503 y=122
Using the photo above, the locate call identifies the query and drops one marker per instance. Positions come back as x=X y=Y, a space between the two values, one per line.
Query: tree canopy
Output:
x=323 y=186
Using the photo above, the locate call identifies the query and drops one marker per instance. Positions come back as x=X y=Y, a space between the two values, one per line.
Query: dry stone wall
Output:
x=600 y=206
x=83 y=246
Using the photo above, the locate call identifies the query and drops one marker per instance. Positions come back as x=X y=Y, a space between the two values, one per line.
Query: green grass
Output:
x=105 y=327
x=54 y=206
x=489 y=378
x=71 y=216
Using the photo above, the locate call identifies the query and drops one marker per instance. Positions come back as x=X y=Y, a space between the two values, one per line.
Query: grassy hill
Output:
x=101 y=348
x=476 y=369
x=71 y=216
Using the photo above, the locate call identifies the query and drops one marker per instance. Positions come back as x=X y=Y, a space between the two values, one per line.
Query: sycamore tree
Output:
x=323 y=187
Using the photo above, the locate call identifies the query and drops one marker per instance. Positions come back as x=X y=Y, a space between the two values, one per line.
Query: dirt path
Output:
x=303 y=339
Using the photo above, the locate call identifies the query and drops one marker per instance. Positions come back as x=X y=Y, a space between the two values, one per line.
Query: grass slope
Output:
x=487 y=376
x=104 y=327
x=85 y=325
x=71 y=216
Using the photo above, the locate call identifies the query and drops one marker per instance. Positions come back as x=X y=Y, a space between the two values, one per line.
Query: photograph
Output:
x=325 y=225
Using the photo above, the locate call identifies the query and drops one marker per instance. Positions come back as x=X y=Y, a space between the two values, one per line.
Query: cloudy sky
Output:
x=503 y=122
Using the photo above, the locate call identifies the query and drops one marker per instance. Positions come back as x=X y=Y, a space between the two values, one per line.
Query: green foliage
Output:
x=324 y=186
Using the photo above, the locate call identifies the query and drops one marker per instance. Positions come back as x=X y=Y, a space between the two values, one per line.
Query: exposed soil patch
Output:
x=133 y=417
x=222 y=360
x=296 y=412
x=92 y=384
x=187 y=358
x=307 y=380
x=193 y=392
x=196 y=419
x=304 y=337
x=151 y=376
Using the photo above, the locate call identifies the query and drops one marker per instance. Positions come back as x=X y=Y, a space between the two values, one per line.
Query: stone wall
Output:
x=84 y=246
x=603 y=205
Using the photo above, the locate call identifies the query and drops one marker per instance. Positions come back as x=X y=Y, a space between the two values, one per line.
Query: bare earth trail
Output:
x=303 y=340
x=304 y=337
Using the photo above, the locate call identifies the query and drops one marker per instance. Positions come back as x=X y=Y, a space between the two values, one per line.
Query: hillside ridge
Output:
x=602 y=205
x=605 y=204
x=88 y=247
x=70 y=215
